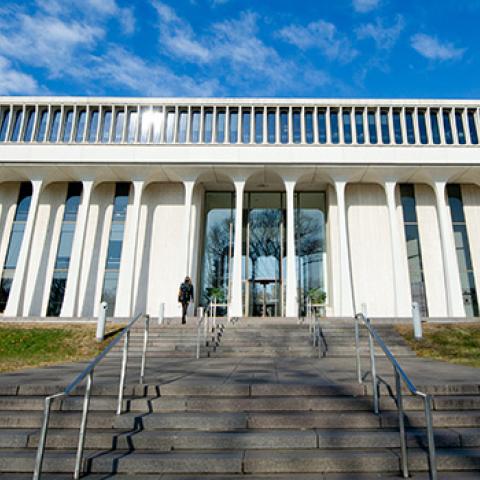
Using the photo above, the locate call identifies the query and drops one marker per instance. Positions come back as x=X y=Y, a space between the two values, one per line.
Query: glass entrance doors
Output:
x=264 y=253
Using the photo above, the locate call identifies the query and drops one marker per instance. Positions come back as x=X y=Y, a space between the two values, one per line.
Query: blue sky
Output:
x=284 y=48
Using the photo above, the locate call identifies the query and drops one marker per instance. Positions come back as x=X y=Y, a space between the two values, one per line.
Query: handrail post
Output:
x=373 y=370
x=432 y=460
x=42 y=439
x=83 y=427
x=144 y=350
x=401 y=424
x=199 y=329
x=357 y=350
x=123 y=372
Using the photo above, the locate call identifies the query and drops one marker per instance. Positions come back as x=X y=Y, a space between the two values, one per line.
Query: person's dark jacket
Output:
x=185 y=294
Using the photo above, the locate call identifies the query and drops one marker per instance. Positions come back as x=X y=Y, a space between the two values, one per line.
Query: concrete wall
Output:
x=370 y=252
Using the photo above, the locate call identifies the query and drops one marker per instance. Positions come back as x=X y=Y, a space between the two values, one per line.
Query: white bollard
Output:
x=161 y=314
x=417 y=321
x=101 y=321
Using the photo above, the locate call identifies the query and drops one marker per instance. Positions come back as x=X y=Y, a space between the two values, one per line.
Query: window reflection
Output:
x=410 y=127
x=182 y=126
x=81 y=126
x=384 y=121
x=322 y=126
x=309 y=126
x=170 y=127
x=195 y=133
x=132 y=125
x=397 y=127
x=460 y=128
x=208 y=126
x=422 y=126
x=258 y=126
x=284 y=126
x=347 y=126
x=16 y=126
x=4 y=126
x=372 y=127
x=157 y=124
x=55 y=128
x=359 y=126
x=220 y=127
x=447 y=126
x=246 y=118
x=435 y=127
x=119 y=120
x=67 y=131
x=28 y=134
x=334 y=126
x=297 y=126
x=472 y=127
x=233 y=125
x=42 y=126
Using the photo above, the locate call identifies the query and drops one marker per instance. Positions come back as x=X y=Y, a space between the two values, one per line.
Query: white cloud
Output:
x=363 y=6
x=13 y=81
x=321 y=35
x=120 y=68
x=384 y=37
x=47 y=41
x=431 y=48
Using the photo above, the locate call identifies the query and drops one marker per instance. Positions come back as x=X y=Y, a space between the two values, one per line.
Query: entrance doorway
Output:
x=264 y=254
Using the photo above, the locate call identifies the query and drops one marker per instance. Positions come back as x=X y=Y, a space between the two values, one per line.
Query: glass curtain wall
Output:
x=462 y=247
x=62 y=262
x=15 y=242
x=115 y=243
x=414 y=251
x=218 y=247
x=311 y=248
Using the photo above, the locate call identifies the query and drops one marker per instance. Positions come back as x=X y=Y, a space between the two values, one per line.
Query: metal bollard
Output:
x=101 y=322
x=161 y=314
x=417 y=321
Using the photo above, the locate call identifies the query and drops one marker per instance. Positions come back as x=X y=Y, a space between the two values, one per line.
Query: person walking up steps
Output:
x=185 y=295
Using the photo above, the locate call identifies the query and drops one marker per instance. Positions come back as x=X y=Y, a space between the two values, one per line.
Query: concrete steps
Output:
x=238 y=429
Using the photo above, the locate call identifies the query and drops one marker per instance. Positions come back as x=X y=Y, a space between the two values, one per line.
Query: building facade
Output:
x=265 y=203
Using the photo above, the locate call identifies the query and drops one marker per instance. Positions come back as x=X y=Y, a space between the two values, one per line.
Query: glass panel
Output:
x=460 y=129
x=414 y=252
x=422 y=125
x=208 y=126
x=14 y=245
x=170 y=127
x=146 y=120
x=115 y=245
x=218 y=245
x=309 y=126
x=334 y=125
x=120 y=117
x=472 y=127
x=42 y=126
x=4 y=126
x=81 y=126
x=263 y=267
x=385 y=126
x=93 y=126
x=120 y=203
x=67 y=131
x=359 y=125
x=258 y=126
x=397 y=126
x=435 y=127
x=310 y=248
x=271 y=126
x=65 y=245
x=297 y=127
x=246 y=125
x=372 y=127
x=195 y=134
x=16 y=126
x=57 y=294
x=455 y=201
x=5 y=286
x=233 y=126
x=132 y=125
x=110 y=290
x=23 y=203
x=347 y=126
x=220 y=126
x=182 y=126
x=447 y=127
x=54 y=130
x=410 y=127
x=462 y=247
x=408 y=203
x=284 y=126
x=157 y=124
x=107 y=122
x=27 y=136
x=322 y=126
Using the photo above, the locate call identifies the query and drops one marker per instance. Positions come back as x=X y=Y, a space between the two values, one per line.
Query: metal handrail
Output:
x=400 y=376
x=87 y=373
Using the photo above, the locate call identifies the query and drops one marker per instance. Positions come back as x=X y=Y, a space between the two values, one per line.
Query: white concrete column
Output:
x=70 y=307
x=124 y=304
x=236 y=305
x=453 y=289
x=189 y=186
x=16 y=292
x=291 y=304
x=346 y=291
x=400 y=276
